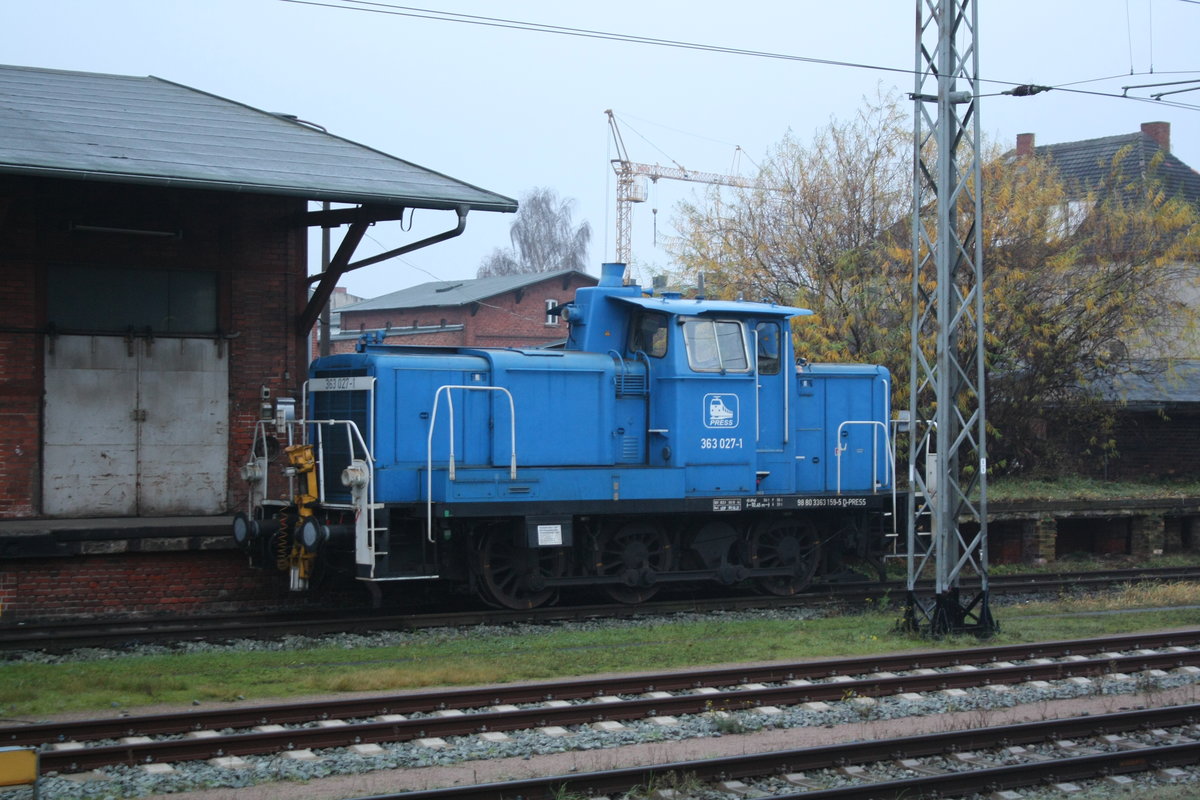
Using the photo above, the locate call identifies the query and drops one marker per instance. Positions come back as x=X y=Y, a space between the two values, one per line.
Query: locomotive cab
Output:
x=673 y=440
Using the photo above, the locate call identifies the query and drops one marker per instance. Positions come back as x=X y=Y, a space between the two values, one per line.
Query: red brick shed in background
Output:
x=506 y=311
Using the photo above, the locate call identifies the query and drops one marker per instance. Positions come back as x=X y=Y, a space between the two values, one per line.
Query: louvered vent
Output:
x=631 y=449
x=629 y=385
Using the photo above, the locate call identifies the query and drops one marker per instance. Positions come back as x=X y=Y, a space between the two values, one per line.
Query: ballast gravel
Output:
x=134 y=782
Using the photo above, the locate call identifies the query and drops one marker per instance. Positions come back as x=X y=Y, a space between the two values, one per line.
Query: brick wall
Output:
x=251 y=242
x=267 y=294
x=511 y=319
x=421 y=326
x=20 y=358
x=1150 y=444
x=151 y=584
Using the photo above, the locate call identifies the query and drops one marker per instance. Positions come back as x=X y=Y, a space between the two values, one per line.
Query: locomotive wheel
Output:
x=511 y=576
x=785 y=543
x=635 y=552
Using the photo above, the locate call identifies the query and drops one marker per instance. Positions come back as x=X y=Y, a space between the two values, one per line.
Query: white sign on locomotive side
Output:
x=549 y=535
x=355 y=383
x=720 y=410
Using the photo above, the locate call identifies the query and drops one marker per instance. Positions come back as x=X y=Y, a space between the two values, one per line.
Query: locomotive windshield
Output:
x=715 y=345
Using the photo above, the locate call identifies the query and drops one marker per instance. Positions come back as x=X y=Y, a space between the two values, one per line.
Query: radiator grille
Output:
x=335 y=444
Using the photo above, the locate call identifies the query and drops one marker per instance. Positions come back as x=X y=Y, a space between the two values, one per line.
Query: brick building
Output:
x=337 y=301
x=154 y=260
x=506 y=311
x=154 y=275
x=1158 y=399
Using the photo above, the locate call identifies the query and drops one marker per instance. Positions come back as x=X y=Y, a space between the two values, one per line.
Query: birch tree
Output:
x=544 y=238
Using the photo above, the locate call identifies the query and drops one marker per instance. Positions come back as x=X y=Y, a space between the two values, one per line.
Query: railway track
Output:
x=426 y=719
x=116 y=633
x=1112 y=747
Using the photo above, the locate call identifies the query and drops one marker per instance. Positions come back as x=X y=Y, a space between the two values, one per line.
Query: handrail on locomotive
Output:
x=512 y=417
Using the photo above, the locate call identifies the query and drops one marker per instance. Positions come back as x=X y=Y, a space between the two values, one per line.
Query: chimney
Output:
x=339 y=290
x=1159 y=132
x=1024 y=144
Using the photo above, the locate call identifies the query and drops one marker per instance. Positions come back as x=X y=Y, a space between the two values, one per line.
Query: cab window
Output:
x=715 y=345
x=769 y=347
x=649 y=334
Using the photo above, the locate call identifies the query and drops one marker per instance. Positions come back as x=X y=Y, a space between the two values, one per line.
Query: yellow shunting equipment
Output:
x=304 y=463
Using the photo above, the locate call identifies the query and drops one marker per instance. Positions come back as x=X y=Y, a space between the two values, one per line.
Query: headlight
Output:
x=313 y=534
x=244 y=529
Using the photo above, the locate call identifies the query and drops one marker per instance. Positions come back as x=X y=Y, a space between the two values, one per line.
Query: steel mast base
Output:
x=946 y=615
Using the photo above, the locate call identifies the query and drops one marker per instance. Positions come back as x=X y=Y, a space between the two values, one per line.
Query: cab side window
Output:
x=769 y=347
x=649 y=334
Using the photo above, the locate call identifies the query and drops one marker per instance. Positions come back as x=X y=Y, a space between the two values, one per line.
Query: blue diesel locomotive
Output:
x=672 y=440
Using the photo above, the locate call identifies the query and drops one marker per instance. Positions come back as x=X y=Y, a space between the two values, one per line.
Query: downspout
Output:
x=340 y=264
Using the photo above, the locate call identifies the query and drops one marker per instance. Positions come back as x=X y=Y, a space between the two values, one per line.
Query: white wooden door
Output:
x=135 y=428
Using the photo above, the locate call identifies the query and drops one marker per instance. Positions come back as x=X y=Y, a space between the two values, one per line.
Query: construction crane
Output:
x=628 y=191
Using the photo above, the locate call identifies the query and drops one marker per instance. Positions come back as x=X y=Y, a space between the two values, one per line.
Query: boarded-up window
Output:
x=101 y=299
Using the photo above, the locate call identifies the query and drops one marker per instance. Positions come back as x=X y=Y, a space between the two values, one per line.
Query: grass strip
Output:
x=465 y=657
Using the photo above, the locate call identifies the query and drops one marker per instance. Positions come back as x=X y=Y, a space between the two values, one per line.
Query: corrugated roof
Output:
x=1086 y=164
x=148 y=130
x=1156 y=385
x=458 y=293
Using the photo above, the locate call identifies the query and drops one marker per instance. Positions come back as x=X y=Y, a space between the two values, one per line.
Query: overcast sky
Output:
x=508 y=110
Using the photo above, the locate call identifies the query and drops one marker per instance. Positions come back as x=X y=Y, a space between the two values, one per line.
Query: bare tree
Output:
x=544 y=238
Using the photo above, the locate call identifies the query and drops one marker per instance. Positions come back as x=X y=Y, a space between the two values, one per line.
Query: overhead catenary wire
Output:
x=393 y=9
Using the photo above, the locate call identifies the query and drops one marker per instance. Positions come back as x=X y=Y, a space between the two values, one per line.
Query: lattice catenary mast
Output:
x=947 y=452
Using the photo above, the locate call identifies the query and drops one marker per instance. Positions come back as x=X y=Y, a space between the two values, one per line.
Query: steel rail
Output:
x=521 y=718
x=926 y=745
x=582 y=688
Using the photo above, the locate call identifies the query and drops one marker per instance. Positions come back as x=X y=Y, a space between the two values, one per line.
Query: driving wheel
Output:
x=784 y=543
x=636 y=553
x=513 y=576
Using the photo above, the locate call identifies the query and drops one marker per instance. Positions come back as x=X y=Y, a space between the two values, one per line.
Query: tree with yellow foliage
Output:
x=1079 y=287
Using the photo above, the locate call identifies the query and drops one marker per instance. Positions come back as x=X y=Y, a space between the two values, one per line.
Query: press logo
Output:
x=720 y=410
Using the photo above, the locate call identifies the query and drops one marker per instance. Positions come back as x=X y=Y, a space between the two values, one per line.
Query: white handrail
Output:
x=355 y=442
x=512 y=417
